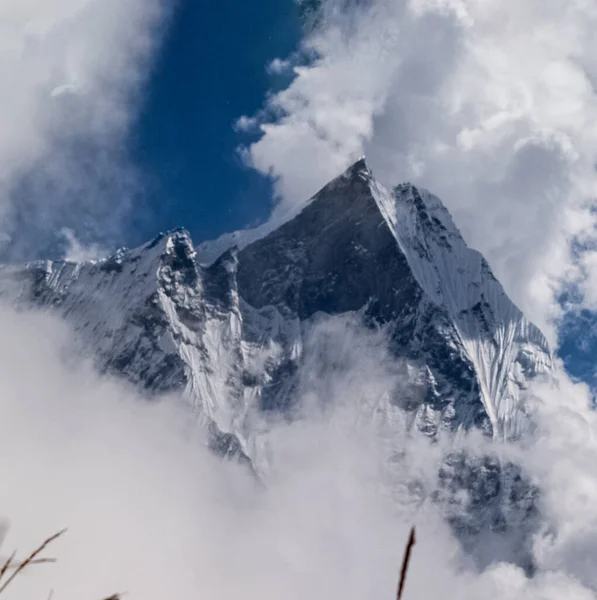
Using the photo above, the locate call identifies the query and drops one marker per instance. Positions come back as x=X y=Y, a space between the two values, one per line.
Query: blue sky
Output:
x=211 y=70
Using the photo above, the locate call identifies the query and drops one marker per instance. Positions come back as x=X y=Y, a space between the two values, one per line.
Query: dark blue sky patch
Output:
x=578 y=345
x=212 y=70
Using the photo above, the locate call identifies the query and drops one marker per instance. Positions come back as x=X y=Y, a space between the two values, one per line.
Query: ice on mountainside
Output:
x=233 y=324
x=231 y=334
x=398 y=258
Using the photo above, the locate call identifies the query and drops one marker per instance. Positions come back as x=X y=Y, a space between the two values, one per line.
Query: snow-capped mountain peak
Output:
x=229 y=332
x=504 y=348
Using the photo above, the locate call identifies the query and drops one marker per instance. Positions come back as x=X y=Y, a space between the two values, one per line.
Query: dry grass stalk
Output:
x=7 y=565
x=406 y=561
x=10 y=565
x=30 y=560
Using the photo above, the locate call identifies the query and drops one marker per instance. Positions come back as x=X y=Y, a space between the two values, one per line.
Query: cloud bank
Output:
x=490 y=106
x=71 y=72
x=150 y=512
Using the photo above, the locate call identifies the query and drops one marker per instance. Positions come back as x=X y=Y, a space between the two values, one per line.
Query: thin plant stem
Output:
x=405 y=562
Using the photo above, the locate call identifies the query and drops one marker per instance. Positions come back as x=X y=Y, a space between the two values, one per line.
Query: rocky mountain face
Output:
x=232 y=333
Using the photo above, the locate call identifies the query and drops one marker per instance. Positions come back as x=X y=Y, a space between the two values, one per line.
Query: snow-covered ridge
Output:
x=504 y=347
x=209 y=250
x=241 y=327
x=228 y=331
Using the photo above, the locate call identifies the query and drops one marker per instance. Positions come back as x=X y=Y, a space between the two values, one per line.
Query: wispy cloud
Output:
x=491 y=106
x=71 y=71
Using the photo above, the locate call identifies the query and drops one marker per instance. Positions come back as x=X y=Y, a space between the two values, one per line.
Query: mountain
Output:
x=231 y=333
x=232 y=327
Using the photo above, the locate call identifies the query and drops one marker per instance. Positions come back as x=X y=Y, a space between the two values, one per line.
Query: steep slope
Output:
x=230 y=335
x=144 y=314
x=503 y=347
x=398 y=258
x=241 y=327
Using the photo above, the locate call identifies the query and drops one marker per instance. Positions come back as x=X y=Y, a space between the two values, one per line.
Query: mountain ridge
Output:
x=241 y=337
x=394 y=257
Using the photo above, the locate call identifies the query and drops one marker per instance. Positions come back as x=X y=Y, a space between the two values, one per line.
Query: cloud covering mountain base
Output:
x=151 y=512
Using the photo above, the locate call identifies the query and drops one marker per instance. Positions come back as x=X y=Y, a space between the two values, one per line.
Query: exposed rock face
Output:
x=231 y=333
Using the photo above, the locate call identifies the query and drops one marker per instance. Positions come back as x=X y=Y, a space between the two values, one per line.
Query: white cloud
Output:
x=279 y=66
x=245 y=124
x=78 y=252
x=70 y=72
x=151 y=513
x=127 y=478
x=490 y=105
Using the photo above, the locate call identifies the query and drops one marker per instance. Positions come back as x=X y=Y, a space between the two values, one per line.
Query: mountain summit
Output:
x=231 y=334
x=238 y=327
